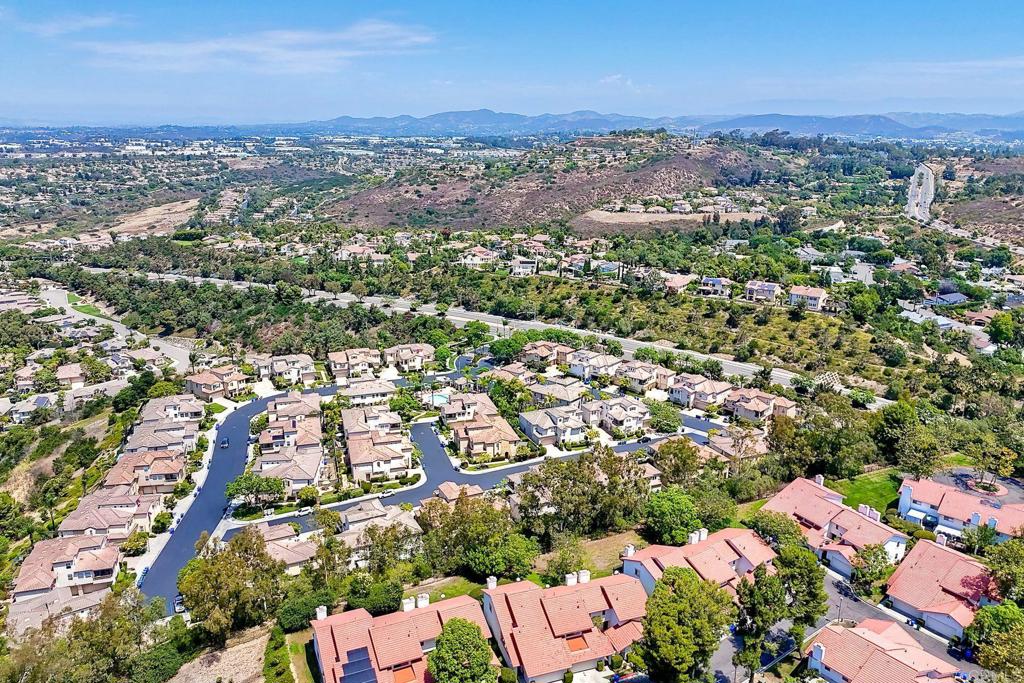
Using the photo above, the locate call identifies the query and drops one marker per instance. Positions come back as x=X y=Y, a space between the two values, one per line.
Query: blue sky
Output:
x=247 y=62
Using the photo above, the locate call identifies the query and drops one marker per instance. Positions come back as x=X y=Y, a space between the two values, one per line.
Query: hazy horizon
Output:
x=187 y=63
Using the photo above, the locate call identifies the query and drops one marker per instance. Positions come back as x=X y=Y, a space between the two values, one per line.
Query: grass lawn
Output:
x=450 y=587
x=91 y=309
x=303 y=660
x=73 y=298
x=214 y=408
x=878 y=489
x=745 y=511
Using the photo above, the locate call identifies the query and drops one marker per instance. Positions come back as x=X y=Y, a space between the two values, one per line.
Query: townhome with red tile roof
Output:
x=835 y=532
x=392 y=648
x=724 y=557
x=874 y=651
x=941 y=587
x=544 y=632
x=949 y=510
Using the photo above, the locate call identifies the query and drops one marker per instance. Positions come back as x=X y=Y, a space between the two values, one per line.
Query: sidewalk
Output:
x=156 y=545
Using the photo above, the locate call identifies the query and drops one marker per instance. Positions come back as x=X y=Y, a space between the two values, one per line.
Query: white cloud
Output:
x=61 y=25
x=278 y=51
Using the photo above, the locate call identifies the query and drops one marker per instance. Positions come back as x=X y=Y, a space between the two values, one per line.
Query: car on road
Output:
x=388 y=493
x=644 y=439
x=224 y=442
x=304 y=511
x=179 y=604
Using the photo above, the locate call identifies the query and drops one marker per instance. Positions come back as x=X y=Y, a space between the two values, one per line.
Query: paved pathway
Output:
x=58 y=297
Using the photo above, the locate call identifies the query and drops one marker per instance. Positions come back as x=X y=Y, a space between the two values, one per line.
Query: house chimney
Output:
x=819 y=479
x=940 y=539
x=992 y=522
x=422 y=600
x=629 y=551
x=408 y=604
x=863 y=509
x=570 y=579
x=492 y=582
x=703 y=534
x=976 y=518
x=693 y=537
x=321 y=612
x=874 y=514
x=584 y=575
x=818 y=652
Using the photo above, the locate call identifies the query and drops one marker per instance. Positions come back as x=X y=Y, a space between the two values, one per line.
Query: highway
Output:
x=920 y=194
x=497 y=324
x=918 y=208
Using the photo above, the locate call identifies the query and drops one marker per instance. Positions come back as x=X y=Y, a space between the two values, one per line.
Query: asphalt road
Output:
x=919 y=197
x=58 y=298
x=460 y=316
x=841 y=605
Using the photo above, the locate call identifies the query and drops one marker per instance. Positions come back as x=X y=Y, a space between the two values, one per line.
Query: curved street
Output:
x=208 y=509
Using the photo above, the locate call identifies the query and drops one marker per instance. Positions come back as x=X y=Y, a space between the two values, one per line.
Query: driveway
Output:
x=841 y=605
x=958 y=477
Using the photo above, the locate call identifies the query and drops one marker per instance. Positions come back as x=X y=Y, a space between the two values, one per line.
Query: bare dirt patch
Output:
x=22 y=478
x=998 y=217
x=604 y=552
x=240 y=662
x=537 y=196
x=156 y=220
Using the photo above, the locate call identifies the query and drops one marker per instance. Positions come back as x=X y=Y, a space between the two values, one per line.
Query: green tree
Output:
x=762 y=604
x=1002 y=329
x=567 y=556
x=1004 y=654
x=686 y=617
x=1006 y=560
x=255 y=489
x=992 y=620
x=870 y=565
x=978 y=538
x=233 y=585
x=777 y=529
x=461 y=655
x=671 y=516
x=803 y=578
x=678 y=461
x=376 y=596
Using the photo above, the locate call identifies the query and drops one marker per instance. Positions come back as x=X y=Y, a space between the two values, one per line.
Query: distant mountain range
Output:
x=484 y=122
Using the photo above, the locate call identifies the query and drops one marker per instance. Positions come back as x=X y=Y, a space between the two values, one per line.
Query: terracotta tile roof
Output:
x=962 y=506
x=819 y=510
x=934 y=578
x=390 y=641
x=877 y=651
x=536 y=624
x=714 y=559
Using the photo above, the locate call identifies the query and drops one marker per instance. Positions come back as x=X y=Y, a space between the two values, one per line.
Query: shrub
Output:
x=924 y=534
x=135 y=544
x=308 y=496
x=567 y=677
x=507 y=675
x=276 y=667
x=296 y=611
x=600 y=665
x=158 y=664
x=616 y=662
x=162 y=522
